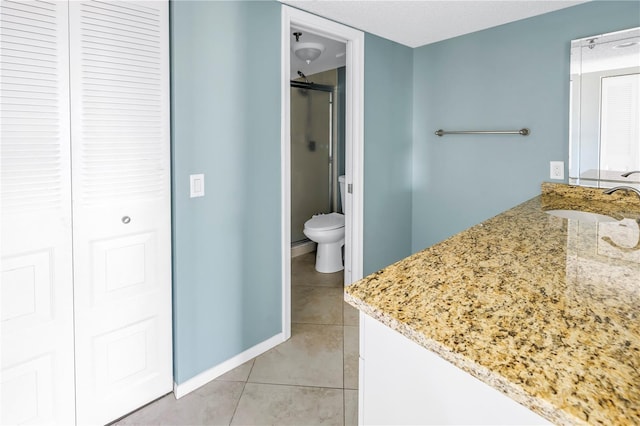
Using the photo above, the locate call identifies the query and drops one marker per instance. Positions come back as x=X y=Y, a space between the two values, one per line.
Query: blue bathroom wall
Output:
x=419 y=188
x=388 y=82
x=225 y=76
x=507 y=77
x=226 y=124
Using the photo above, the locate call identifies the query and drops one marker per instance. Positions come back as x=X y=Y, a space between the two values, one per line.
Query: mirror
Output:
x=604 y=130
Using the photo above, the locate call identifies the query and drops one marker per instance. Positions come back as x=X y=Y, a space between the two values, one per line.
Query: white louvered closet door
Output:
x=36 y=381
x=121 y=205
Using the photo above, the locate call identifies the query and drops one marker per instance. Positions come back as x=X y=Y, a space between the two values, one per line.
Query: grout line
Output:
x=235 y=409
x=319 y=287
x=317 y=323
x=343 y=357
x=344 y=407
x=251 y=370
x=298 y=386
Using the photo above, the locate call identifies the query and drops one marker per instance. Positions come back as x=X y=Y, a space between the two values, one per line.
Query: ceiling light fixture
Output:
x=308 y=51
x=627 y=44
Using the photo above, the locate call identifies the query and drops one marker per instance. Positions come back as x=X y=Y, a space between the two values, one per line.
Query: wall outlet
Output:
x=556 y=170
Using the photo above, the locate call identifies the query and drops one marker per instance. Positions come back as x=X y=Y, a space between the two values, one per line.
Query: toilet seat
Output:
x=325 y=222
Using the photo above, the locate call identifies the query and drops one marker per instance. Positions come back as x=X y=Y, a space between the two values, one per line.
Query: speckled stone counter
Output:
x=545 y=309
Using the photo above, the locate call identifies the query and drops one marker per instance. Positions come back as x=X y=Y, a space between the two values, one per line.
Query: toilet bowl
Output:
x=328 y=231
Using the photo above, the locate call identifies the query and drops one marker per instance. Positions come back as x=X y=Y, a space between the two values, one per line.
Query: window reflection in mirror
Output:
x=604 y=140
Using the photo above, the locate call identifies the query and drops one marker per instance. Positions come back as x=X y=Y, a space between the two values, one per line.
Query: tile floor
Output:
x=311 y=379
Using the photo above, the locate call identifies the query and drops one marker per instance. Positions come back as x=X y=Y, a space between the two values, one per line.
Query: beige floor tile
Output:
x=303 y=273
x=351 y=357
x=212 y=404
x=238 y=374
x=317 y=305
x=350 y=407
x=351 y=316
x=311 y=357
x=304 y=262
x=263 y=404
x=298 y=382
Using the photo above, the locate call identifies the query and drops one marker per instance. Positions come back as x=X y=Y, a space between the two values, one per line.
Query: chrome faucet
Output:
x=629 y=173
x=624 y=188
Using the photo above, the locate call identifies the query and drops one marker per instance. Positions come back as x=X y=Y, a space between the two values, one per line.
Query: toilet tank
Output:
x=341 y=182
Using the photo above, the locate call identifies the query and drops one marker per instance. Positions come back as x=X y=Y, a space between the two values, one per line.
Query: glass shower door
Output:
x=311 y=153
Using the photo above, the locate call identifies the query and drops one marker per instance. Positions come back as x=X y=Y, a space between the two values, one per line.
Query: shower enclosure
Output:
x=313 y=154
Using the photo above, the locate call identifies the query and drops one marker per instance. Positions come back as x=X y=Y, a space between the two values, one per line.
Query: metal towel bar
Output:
x=523 y=132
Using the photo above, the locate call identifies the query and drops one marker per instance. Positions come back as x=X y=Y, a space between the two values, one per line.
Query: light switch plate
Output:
x=196 y=185
x=556 y=170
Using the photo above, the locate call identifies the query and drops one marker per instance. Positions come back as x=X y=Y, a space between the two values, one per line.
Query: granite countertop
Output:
x=545 y=309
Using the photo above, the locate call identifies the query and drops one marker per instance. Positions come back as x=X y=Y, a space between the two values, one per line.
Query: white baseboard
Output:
x=182 y=389
x=302 y=248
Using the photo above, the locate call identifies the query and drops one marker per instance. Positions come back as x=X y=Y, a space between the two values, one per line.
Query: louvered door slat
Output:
x=120 y=73
x=33 y=83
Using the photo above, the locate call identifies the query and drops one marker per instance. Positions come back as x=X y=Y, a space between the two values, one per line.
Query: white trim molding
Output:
x=354 y=145
x=285 y=171
x=205 y=377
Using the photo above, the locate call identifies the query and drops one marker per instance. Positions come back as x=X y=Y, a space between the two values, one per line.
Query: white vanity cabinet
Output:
x=402 y=383
x=85 y=200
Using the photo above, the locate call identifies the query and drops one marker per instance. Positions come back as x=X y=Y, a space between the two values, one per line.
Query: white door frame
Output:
x=354 y=145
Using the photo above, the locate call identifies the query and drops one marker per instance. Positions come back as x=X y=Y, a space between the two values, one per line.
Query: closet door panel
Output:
x=121 y=205
x=37 y=377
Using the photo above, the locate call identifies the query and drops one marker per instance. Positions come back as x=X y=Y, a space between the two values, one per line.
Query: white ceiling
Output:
x=419 y=22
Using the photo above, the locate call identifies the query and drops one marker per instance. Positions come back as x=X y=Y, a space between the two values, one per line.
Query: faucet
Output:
x=629 y=173
x=624 y=188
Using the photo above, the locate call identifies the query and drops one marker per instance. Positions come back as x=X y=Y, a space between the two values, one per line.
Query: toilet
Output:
x=328 y=231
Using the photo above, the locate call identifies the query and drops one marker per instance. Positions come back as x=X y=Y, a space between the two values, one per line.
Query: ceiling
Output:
x=419 y=22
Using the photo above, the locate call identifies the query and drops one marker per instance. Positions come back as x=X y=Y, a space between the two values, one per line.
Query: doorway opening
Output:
x=294 y=20
x=317 y=151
